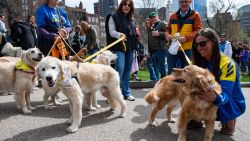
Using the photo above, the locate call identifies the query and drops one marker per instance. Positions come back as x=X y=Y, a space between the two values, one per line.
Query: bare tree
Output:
x=221 y=15
x=146 y=7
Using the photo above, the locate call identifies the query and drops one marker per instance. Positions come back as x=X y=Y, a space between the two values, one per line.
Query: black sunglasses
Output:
x=202 y=43
x=183 y=1
x=126 y=4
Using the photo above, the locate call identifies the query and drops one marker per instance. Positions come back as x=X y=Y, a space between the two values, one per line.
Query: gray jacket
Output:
x=157 y=42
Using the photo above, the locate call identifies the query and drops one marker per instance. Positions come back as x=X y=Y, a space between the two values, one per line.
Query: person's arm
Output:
x=229 y=50
x=227 y=84
x=112 y=31
x=46 y=34
x=168 y=31
x=2 y=27
x=162 y=30
x=67 y=25
x=94 y=36
x=196 y=27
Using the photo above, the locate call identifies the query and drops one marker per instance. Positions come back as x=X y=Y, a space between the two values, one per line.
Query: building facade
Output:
x=244 y=17
x=107 y=6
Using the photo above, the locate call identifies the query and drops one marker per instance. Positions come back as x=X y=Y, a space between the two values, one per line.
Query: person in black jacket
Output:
x=120 y=24
x=25 y=33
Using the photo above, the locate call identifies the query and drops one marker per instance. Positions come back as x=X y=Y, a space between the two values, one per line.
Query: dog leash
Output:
x=188 y=60
x=105 y=48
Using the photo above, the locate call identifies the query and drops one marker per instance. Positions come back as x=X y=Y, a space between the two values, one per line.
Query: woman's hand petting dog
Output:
x=209 y=95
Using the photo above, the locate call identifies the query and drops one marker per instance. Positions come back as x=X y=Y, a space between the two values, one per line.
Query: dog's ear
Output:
x=200 y=82
x=23 y=56
x=64 y=69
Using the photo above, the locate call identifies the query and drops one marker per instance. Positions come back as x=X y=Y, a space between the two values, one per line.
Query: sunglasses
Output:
x=127 y=4
x=184 y=2
x=202 y=43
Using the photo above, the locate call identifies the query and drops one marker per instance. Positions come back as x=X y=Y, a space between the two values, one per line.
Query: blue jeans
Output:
x=151 y=69
x=92 y=51
x=158 y=59
x=178 y=61
x=123 y=66
x=248 y=66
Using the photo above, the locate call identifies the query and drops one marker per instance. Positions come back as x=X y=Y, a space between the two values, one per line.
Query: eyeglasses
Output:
x=184 y=2
x=127 y=4
x=202 y=44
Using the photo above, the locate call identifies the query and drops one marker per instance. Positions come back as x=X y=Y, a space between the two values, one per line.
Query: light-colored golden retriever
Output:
x=185 y=85
x=20 y=79
x=104 y=58
x=58 y=73
x=94 y=77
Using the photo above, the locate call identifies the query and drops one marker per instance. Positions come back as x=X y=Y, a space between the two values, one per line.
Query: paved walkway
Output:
x=102 y=125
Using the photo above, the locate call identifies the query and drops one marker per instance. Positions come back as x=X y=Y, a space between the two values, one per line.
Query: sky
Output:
x=88 y=4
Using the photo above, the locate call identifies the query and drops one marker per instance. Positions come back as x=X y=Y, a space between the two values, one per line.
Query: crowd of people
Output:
x=201 y=45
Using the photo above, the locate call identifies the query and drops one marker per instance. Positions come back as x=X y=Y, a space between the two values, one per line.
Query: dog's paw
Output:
x=68 y=122
x=58 y=102
x=122 y=115
x=97 y=106
x=26 y=110
x=92 y=108
x=154 y=124
x=47 y=107
x=111 y=109
x=172 y=120
x=72 y=128
x=31 y=108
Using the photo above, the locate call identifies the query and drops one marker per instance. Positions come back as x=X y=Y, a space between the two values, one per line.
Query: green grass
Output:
x=245 y=78
x=144 y=75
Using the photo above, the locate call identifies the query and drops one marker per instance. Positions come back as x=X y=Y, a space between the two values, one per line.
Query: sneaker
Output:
x=130 y=98
x=137 y=78
x=228 y=129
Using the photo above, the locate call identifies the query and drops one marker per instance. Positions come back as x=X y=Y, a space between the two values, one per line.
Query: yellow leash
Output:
x=188 y=60
x=105 y=48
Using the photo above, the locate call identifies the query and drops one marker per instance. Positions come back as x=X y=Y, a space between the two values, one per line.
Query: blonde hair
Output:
x=85 y=27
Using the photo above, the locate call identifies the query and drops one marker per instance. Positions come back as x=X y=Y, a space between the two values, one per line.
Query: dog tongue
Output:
x=51 y=84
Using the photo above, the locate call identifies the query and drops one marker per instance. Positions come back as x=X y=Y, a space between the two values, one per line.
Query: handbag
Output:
x=174 y=47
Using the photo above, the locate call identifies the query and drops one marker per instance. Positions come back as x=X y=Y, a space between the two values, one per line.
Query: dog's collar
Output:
x=21 y=65
x=65 y=81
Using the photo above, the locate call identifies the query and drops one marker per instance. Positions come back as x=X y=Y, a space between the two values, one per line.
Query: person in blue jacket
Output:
x=51 y=20
x=231 y=102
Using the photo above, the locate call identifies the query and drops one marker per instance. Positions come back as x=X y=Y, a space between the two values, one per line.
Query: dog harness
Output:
x=22 y=66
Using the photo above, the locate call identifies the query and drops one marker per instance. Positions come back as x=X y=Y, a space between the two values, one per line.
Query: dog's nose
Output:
x=49 y=78
x=40 y=55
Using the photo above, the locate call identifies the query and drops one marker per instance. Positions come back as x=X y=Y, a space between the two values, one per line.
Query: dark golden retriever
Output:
x=185 y=85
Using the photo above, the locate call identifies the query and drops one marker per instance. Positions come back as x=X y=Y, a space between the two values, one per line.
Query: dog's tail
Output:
x=151 y=98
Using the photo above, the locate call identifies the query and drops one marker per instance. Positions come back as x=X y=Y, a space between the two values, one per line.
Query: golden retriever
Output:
x=21 y=79
x=9 y=59
x=185 y=85
x=58 y=73
x=94 y=77
x=104 y=58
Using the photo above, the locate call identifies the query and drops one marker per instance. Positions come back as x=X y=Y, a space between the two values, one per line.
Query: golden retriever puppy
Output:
x=21 y=77
x=53 y=91
x=185 y=85
x=57 y=73
x=94 y=77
